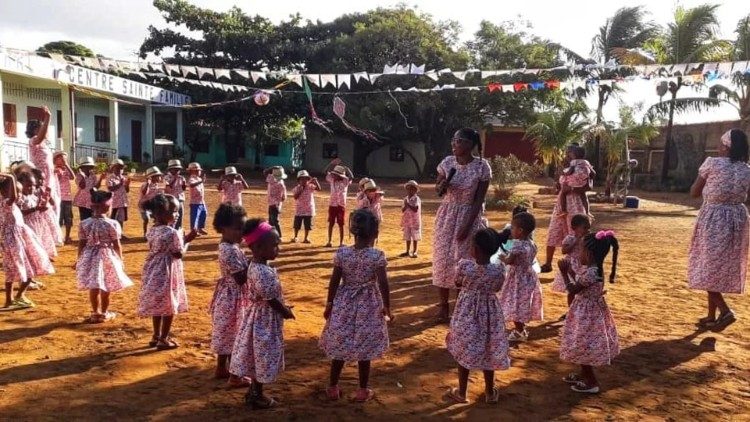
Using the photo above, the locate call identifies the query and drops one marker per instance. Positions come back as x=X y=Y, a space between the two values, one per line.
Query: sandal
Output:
x=722 y=322
x=455 y=397
x=24 y=302
x=94 y=318
x=572 y=378
x=108 y=316
x=13 y=307
x=333 y=393
x=154 y=341
x=364 y=395
x=166 y=344
x=494 y=398
x=581 y=387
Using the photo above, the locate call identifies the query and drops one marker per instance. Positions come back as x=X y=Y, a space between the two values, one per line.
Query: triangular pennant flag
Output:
x=537 y=85
x=359 y=76
x=343 y=79
x=188 y=71
x=417 y=70
x=295 y=79
x=313 y=79
x=204 y=71
x=710 y=67
x=508 y=88
x=488 y=73
x=374 y=77
x=327 y=79
x=172 y=69
x=244 y=74
x=58 y=58
x=679 y=69
x=256 y=76
x=519 y=86
x=553 y=85
x=390 y=70
x=156 y=67
x=495 y=87
x=460 y=75
x=432 y=75
x=92 y=63
x=223 y=73
x=402 y=69
x=444 y=71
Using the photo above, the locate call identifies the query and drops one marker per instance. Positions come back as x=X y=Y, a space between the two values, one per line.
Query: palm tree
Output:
x=691 y=37
x=740 y=100
x=554 y=130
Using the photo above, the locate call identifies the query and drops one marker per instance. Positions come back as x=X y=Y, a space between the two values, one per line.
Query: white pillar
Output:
x=114 y=127
x=2 y=133
x=67 y=107
x=147 y=144
x=180 y=141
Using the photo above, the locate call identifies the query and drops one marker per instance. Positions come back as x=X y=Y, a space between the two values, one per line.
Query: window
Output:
x=9 y=120
x=271 y=150
x=101 y=129
x=396 y=153
x=59 y=123
x=330 y=150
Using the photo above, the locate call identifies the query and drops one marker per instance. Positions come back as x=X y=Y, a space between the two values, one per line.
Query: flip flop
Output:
x=722 y=322
x=166 y=344
x=455 y=397
x=333 y=393
x=581 y=387
x=572 y=378
x=364 y=395
x=494 y=398
x=13 y=307
x=154 y=341
x=24 y=301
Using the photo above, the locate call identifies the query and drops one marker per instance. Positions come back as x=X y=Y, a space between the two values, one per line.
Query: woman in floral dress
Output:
x=40 y=154
x=463 y=180
x=719 y=248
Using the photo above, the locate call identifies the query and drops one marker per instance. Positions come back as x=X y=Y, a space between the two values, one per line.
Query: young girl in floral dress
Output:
x=149 y=189
x=589 y=337
x=359 y=308
x=231 y=186
x=163 y=291
x=119 y=184
x=23 y=255
x=411 y=218
x=373 y=200
x=258 y=352
x=228 y=301
x=521 y=296
x=477 y=338
x=305 y=207
x=99 y=268
x=580 y=225
x=49 y=213
x=362 y=201
x=65 y=175
x=86 y=179
x=175 y=184
x=32 y=208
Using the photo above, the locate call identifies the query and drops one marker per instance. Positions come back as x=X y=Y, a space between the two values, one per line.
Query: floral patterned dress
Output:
x=559 y=226
x=305 y=205
x=83 y=196
x=276 y=192
x=99 y=266
x=570 y=241
x=457 y=202
x=229 y=299
x=718 y=250
x=41 y=156
x=163 y=286
x=411 y=221
x=24 y=256
x=232 y=192
x=589 y=336
x=339 y=190
x=477 y=338
x=38 y=223
x=521 y=296
x=258 y=351
x=51 y=219
x=119 y=195
x=356 y=329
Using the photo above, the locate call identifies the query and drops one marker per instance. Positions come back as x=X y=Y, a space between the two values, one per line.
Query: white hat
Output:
x=230 y=171
x=174 y=164
x=363 y=181
x=370 y=185
x=86 y=162
x=278 y=173
x=194 y=166
x=59 y=153
x=339 y=171
x=153 y=171
x=117 y=162
x=411 y=183
x=302 y=173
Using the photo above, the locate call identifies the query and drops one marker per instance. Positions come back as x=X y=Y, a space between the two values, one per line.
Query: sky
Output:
x=116 y=28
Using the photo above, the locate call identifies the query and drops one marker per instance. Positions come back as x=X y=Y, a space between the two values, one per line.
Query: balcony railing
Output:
x=15 y=151
x=99 y=154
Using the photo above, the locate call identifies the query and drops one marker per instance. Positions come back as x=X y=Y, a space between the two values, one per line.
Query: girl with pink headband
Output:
x=99 y=268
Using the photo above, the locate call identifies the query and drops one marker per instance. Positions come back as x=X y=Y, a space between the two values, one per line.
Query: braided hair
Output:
x=363 y=224
x=487 y=240
x=599 y=245
x=471 y=135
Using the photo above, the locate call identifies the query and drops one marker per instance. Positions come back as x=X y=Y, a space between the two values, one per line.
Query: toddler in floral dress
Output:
x=163 y=291
x=65 y=175
x=411 y=218
x=149 y=189
x=589 y=337
x=49 y=207
x=580 y=226
x=358 y=309
x=578 y=174
x=99 y=268
x=228 y=301
x=521 y=296
x=32 y=207
x=231 y=186
x=258 y=352
x=275 y=177
x=305 y=207
x=477 y=338
x=339 y=178
x=175 y=184
x=86 y=179
x=362 y=201
x=373 y=199
x=23 y=255
x=119 y=184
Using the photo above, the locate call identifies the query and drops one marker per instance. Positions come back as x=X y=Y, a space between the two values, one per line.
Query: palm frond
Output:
x=742 y=43
x=627 y=28
x=685 y=105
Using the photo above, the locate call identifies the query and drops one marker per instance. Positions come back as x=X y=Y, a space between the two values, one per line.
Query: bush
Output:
x=510 y=171
x=507 y=204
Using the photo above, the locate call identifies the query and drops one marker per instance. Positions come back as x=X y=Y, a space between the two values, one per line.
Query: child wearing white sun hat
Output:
x=276 y=194
x=176 y=185
x=198 y=211
x=231 y=186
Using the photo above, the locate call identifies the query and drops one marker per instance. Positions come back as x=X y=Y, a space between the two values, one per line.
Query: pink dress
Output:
x=173 y=186
x=457 y=202
x=276 y=192
x=305 y=206
x=119 y=195
x=258 y=352
x=42 y=156
x=232 y=192
x=362 y=201
x=339 y=191
x=83 y=196
x=23 y=254
x=163 y=286
x=52 y=220
x=229 y=299
x=589 y=336
x=63 y=180
x=558 y=285
x=521 y=296
x=411 y=221
x=559 y=226
x=356 y=329
x=99 y=266
x=477 y=338
x=38 y=223
x=719 y=248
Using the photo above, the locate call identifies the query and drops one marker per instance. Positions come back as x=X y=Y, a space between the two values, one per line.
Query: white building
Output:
x=112 y=116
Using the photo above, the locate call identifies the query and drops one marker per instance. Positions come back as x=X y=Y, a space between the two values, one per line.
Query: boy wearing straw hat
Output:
x=198 y=213
x=149 y=189
x=275 y=177
x=119 y=184
x=65 y=175
x=175 y=185
x=339 y=178
x=305 y=206
x=231 y=186
x=411 y=218
x=86 y=180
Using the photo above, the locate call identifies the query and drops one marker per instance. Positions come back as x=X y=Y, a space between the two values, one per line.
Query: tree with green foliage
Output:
x=66 y=47
x=554 y=130
x=739 y=95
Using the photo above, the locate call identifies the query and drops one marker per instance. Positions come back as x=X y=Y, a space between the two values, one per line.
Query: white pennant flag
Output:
x=449 y=86
x=344 y=80
x=725 y=68
x=488 y=73
x=390 y=70
x=173 y=69
x=256 y=76
x=460 y=75
x=313 y=79
x=295 y=79
x=244 y=74
x=444 y=71
x=223 y=73
x=327 y=79
x=508 y=88
x=187 y=71
x=204 y=71
x=432 y=75
x=402 y=69
x=417 y=70
x=739 y=67
x=374 y=77
x=359 y=76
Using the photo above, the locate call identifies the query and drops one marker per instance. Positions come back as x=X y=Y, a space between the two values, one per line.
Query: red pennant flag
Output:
x=495 y=87
x=553 y=85
x=520 y=86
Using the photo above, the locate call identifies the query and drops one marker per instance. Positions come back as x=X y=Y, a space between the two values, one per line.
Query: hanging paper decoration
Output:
x=339 y=109
x=536 y=85
x=261 y=98
x=553 y=85
x=495 y=87
x=313 y=115
x=519 y=86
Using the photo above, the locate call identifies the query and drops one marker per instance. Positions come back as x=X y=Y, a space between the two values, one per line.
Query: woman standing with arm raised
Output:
x=40 y=154
x=463 y=180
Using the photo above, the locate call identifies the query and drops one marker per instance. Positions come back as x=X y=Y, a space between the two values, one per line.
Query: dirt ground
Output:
x=55 y=367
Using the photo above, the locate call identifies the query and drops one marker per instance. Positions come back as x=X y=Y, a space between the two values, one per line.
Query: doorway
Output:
x=135 y=136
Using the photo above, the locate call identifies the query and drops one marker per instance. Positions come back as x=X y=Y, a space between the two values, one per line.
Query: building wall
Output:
x=127 y=115
x=379 y=163
x=315 y=161
x=507 y=141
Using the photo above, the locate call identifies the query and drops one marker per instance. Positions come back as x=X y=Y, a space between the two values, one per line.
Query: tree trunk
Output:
x=668 y=142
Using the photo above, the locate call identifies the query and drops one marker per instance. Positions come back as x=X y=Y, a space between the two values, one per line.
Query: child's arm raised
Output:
x=333 y=287
x=244 y=182
x=316 y=183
